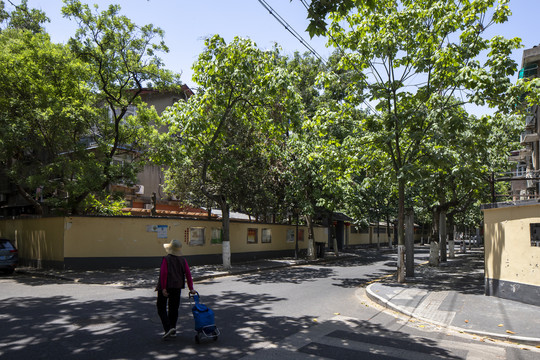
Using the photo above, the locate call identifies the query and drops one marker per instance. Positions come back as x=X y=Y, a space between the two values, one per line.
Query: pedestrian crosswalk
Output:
x=341 y=338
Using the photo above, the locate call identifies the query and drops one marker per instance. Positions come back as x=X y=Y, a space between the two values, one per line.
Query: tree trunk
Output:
x=311 y=238
x=401 y=231
x=225 y=242
x=37 y=206
x=378 y=233
x=388 y=230
x=435 y=225
x=409 y=248
x=442 y=235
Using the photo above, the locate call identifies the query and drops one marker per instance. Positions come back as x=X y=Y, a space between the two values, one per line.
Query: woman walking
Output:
x=173 y=274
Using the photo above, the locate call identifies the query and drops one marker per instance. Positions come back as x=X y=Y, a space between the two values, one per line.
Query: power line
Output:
x=368 y=105
x=305 y=4
x=290 y=29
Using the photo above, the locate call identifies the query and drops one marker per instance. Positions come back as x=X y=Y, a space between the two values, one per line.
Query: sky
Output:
x=188 y=22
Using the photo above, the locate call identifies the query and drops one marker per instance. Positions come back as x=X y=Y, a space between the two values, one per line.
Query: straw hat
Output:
x=174 y=247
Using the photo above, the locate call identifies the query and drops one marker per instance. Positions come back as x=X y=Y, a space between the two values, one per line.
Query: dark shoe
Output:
x=168 y=334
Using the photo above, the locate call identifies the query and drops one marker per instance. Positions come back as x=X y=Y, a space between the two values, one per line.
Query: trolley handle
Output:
x=195 y=298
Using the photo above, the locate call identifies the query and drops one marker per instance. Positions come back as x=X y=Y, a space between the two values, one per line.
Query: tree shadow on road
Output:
x=365 y=340
x=294 y=275
x=61 y=327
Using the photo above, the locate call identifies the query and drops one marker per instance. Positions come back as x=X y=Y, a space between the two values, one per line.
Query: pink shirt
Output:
x=164 y=271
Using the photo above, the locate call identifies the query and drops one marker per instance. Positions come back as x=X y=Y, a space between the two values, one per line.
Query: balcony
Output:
x=519 y=155
x=529 y=138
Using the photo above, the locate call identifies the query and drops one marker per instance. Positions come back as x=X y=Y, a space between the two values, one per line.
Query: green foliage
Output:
x=120 y=57
x=319 y=9
x=23 y=18
x=63 y=109
x=45 y=109
x=224 y=144
x=106 y=206
x=416 y=58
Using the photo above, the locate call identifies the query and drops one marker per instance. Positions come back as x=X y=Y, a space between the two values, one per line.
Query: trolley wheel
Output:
x=214 y=335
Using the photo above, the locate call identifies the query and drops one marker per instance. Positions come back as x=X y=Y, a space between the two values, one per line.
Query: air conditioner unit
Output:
x=139 y=190
x=530 y=120
x=148 y=206
x=2 y=197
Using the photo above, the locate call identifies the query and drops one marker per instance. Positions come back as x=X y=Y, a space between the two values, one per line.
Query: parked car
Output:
x=9 y=256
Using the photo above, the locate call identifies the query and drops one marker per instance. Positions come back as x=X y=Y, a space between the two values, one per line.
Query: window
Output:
x=252 y=236
x=535 y=234
x=529 y=70
x=196 y=236
x=521 y=170
x=290 y=236
x=216 y=236
x=266 y=236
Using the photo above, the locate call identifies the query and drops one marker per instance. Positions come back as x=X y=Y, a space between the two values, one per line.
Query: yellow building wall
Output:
x=368 y=238
x=68 y=241
x=359 y=238
x=132 y=237
x=320 y=235
x=509 y=254
x=38 y=240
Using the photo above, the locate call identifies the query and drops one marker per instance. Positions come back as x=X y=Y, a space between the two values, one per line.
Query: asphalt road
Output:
x=293 y=313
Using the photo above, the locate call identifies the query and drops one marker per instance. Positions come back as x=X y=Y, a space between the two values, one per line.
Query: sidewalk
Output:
x=138 y=278
x=452 y=296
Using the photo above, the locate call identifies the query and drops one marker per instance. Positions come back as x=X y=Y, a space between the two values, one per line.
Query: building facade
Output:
x=526 y=180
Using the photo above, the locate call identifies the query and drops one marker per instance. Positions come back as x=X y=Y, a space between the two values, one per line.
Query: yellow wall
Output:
x=320 y=234
x=113 y=237
x=52 y=239
x=36 y=239
x=368 y=238
x=509 y=254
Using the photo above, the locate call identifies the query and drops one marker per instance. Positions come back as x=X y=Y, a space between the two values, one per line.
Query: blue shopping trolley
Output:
x=205 y=325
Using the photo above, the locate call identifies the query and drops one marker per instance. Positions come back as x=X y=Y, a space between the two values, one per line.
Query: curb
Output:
x=219 y=274
x=269 y=268
x=44 y=275
x=388 y=304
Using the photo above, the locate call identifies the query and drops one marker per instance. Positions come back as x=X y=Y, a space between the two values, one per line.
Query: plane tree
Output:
x=458 y=164
x=319 y=159
x=414 y=57
x=224 y=145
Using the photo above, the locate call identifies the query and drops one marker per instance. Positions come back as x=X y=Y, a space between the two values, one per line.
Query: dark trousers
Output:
x=167 y=308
